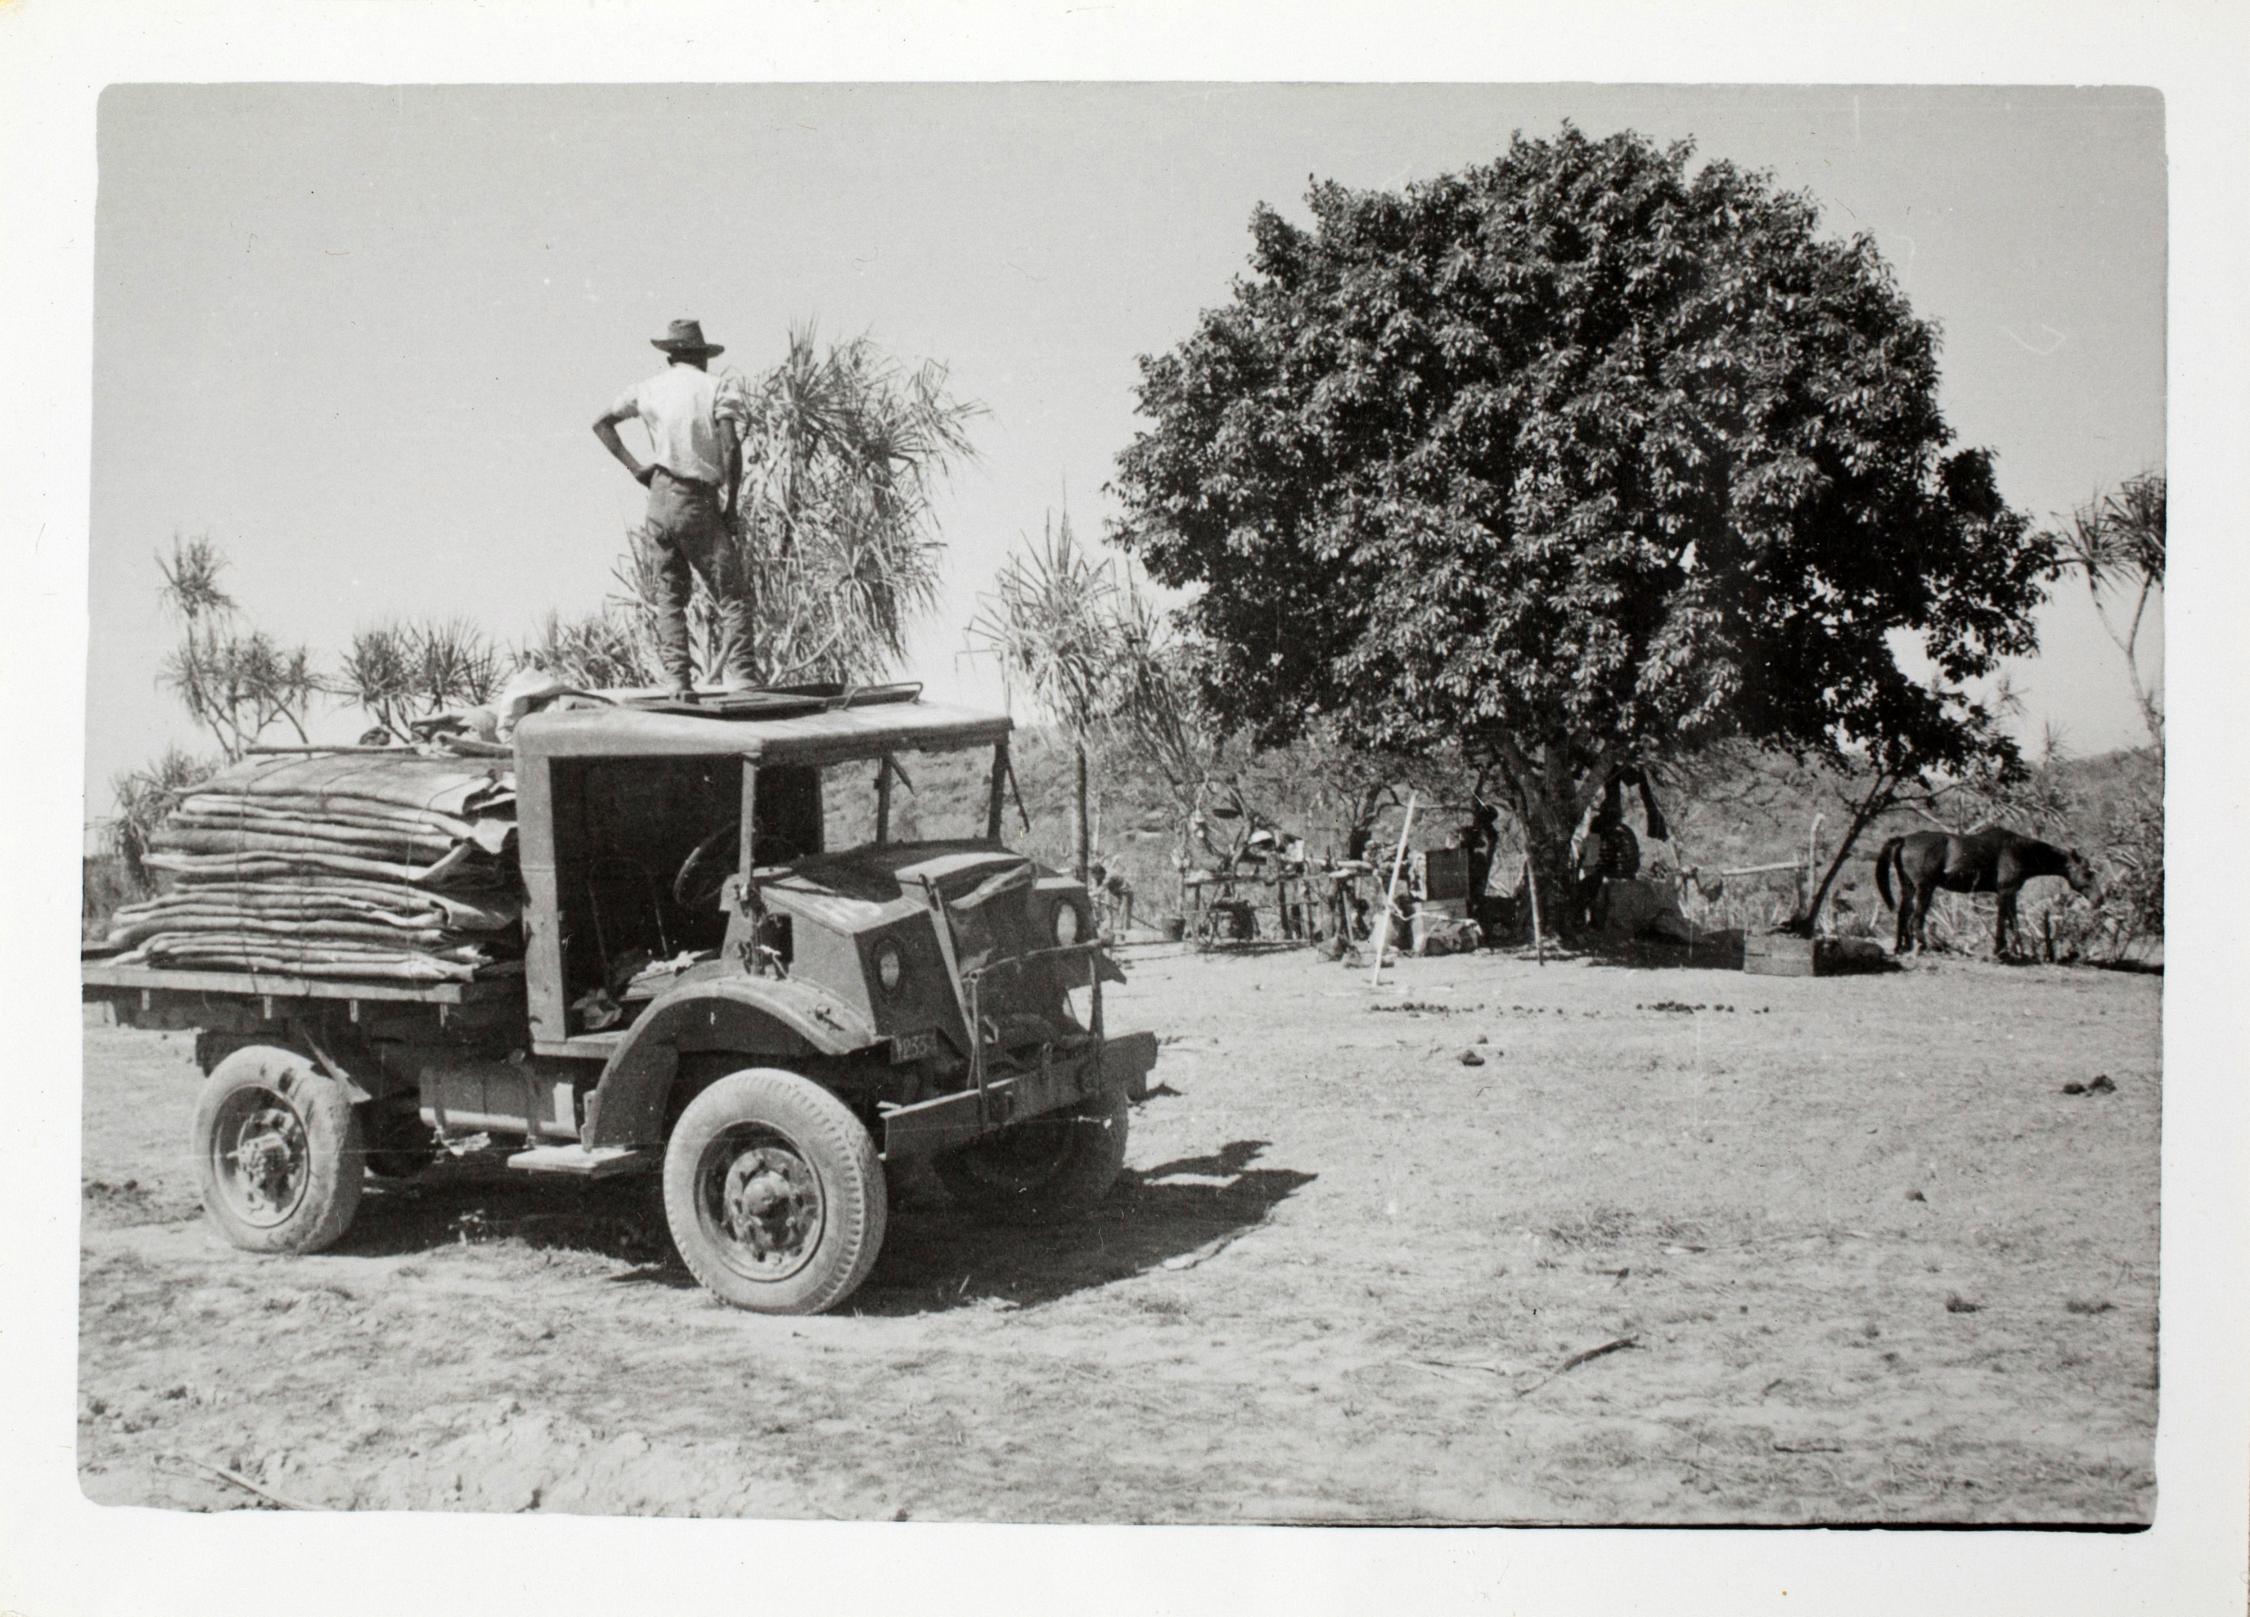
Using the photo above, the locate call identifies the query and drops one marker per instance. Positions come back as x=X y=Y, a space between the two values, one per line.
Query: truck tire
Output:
x=279 y=1153
x=1048 y=1170
x=774 y=1193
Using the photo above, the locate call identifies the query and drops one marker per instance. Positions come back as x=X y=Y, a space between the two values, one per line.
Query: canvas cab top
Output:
x=800 y=725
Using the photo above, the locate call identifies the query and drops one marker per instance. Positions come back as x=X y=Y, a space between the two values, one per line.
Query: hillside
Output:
x=1758 y=813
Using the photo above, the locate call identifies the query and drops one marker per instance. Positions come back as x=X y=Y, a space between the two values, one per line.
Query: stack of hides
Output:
x=389 y=868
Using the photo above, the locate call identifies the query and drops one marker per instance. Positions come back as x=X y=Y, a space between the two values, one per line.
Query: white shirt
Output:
x=681 y=407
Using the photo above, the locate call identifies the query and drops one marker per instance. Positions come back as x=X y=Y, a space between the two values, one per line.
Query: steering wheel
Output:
x=709 y=863
x=695 y=886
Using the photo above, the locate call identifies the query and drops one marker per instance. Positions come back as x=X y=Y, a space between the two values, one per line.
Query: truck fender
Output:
x=758 y=1018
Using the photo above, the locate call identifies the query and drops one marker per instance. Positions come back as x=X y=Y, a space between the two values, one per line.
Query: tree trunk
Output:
x=1881 y=794
x=1544 y=791
x=1358 y=827
x=1548 y=842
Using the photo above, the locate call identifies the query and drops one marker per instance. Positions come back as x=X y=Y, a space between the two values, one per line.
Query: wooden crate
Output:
x=1778 y=954
x=1445 y=874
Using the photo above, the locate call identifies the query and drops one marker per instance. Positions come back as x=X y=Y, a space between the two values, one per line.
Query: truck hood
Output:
x=997 y=908
x=870 y=887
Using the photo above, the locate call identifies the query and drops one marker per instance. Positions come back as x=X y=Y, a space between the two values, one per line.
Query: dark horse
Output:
x=1995 y=860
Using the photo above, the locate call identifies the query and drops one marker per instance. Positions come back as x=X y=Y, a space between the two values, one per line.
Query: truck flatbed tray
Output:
x=279 y=985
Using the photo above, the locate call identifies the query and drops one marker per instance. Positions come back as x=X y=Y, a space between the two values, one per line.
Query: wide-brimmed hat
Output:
x=685 y=337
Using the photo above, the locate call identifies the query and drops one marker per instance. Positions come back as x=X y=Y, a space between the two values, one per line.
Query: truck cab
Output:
x=758 y=959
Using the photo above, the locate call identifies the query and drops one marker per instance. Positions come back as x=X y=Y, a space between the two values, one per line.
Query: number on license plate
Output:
x=914 y=1046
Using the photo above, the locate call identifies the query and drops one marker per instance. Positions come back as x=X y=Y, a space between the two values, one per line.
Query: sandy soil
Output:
x=1868 y=1262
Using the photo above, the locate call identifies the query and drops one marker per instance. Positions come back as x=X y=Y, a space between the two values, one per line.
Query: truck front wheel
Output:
x=1045 y=1170
x=774 y=1193
x=279 y=1152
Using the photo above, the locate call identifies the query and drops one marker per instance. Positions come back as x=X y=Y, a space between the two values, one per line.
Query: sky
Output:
x=357 y=335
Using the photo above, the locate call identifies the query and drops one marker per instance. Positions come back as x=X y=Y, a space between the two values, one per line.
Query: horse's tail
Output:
x=1883 y=862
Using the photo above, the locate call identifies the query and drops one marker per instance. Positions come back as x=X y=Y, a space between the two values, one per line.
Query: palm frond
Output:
x=191 y=579
x=145 y=797
x=601 y=650
x=1052 y=619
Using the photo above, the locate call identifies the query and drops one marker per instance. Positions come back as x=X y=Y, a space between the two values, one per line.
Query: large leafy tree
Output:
x=1577 y=457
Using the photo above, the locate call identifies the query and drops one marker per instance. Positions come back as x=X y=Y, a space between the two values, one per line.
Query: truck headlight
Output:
x=1067 y=924
x=890 y=966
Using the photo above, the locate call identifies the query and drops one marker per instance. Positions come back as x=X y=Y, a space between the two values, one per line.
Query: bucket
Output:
x=1175 y=928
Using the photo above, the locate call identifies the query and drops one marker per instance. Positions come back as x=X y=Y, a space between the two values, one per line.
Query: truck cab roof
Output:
x=774 y=727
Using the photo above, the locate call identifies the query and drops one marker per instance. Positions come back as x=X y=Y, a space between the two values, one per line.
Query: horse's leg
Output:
x=1923 y=893
x=2003 y=922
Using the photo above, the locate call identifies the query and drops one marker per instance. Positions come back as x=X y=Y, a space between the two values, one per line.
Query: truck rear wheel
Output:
x=279 y=1153
x=774 y=1193
x=1046 y=1170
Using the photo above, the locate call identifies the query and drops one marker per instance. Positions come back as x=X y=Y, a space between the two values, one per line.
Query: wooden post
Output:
x=1081 y=830
x=747 y=854
x=1390 y=892
x=883 y=800
x=999 y=792
x=1807 y=883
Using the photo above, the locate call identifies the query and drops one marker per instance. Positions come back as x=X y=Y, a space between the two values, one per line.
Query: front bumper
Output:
x=1060 y=1078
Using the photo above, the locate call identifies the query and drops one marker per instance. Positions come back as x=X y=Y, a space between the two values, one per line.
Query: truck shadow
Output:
x=620 y=1220
x=936 y=1258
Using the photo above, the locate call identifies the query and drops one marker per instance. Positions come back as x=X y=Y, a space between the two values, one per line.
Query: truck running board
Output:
x=602 y=1162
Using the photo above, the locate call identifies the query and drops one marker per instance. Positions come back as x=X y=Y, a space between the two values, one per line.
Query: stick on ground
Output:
x=1577 y=1359
x=243 y=1482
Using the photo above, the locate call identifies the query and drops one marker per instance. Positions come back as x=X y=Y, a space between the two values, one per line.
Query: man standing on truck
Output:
x=695 y=423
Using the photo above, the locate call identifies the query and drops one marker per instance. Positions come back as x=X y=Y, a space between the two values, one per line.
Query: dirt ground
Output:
x=1854 y=1253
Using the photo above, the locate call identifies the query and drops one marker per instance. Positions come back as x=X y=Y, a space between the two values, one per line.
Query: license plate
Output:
x=914 y=1046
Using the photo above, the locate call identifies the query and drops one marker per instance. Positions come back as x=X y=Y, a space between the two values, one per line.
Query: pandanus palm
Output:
x=234 y=681
x=1051 y=618
x=2117 y=543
